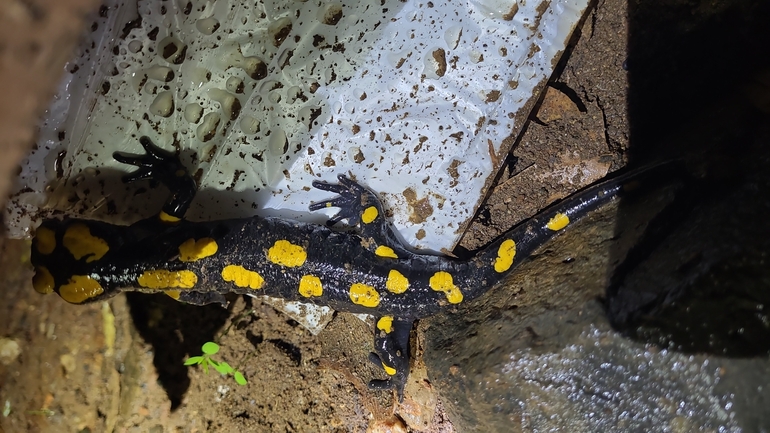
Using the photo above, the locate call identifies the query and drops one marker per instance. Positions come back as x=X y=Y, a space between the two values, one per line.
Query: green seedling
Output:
x=209 y=349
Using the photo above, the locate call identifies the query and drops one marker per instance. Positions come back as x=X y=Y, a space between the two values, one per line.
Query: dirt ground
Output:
x=118 y=365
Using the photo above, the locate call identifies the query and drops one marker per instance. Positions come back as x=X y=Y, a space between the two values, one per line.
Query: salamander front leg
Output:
x=391 y=345
x=363 y=210
x=165 y=167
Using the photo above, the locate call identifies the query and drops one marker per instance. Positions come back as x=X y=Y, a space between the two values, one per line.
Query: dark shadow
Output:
x=696 y=279
x=686 y=59
x=175 y=331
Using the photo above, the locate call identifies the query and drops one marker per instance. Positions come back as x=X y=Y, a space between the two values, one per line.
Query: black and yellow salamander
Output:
x=364 y=271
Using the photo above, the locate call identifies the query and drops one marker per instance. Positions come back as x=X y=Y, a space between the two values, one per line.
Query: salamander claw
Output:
x=397 y=381
x=159 y=165
x=156 y=164
x=352 y=200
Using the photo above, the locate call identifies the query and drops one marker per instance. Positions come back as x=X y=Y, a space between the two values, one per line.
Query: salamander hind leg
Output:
x=162 y=166
x=391 y=345
x=363 y=210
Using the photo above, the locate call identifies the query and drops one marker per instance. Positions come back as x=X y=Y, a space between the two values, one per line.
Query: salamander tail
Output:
x=506 y=253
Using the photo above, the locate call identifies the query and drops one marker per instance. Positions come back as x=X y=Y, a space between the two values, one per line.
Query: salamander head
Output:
x=65 y=255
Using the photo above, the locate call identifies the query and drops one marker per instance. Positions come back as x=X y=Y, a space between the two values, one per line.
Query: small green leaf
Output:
x=210 y=348
x=225 y=368
x=239 y=379
x=194 y=360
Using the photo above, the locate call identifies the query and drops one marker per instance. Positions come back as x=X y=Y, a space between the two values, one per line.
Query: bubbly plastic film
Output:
x=419 y=101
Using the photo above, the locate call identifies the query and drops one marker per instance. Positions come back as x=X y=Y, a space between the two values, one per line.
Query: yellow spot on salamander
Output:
x=45 y=241
x=384 y=251
x=390 y=370
x=286 y=253
x=192 y=250
x=369 y=214
x=396 y=283
x=166 y=218
x=174 y=294
x=79 y=289
x=242 y=277
x=310 y=285
x=80 y=243
x=43 y=280
x=163 y=279
x=385 y=324
x=442 y=282
x=558 y=222
x=505 y=255
x=361 y=294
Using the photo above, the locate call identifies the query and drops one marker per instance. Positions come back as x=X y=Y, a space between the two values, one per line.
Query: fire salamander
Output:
x=367 y=271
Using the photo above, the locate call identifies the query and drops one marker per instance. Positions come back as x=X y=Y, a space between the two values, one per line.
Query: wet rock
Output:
x=539 y=352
